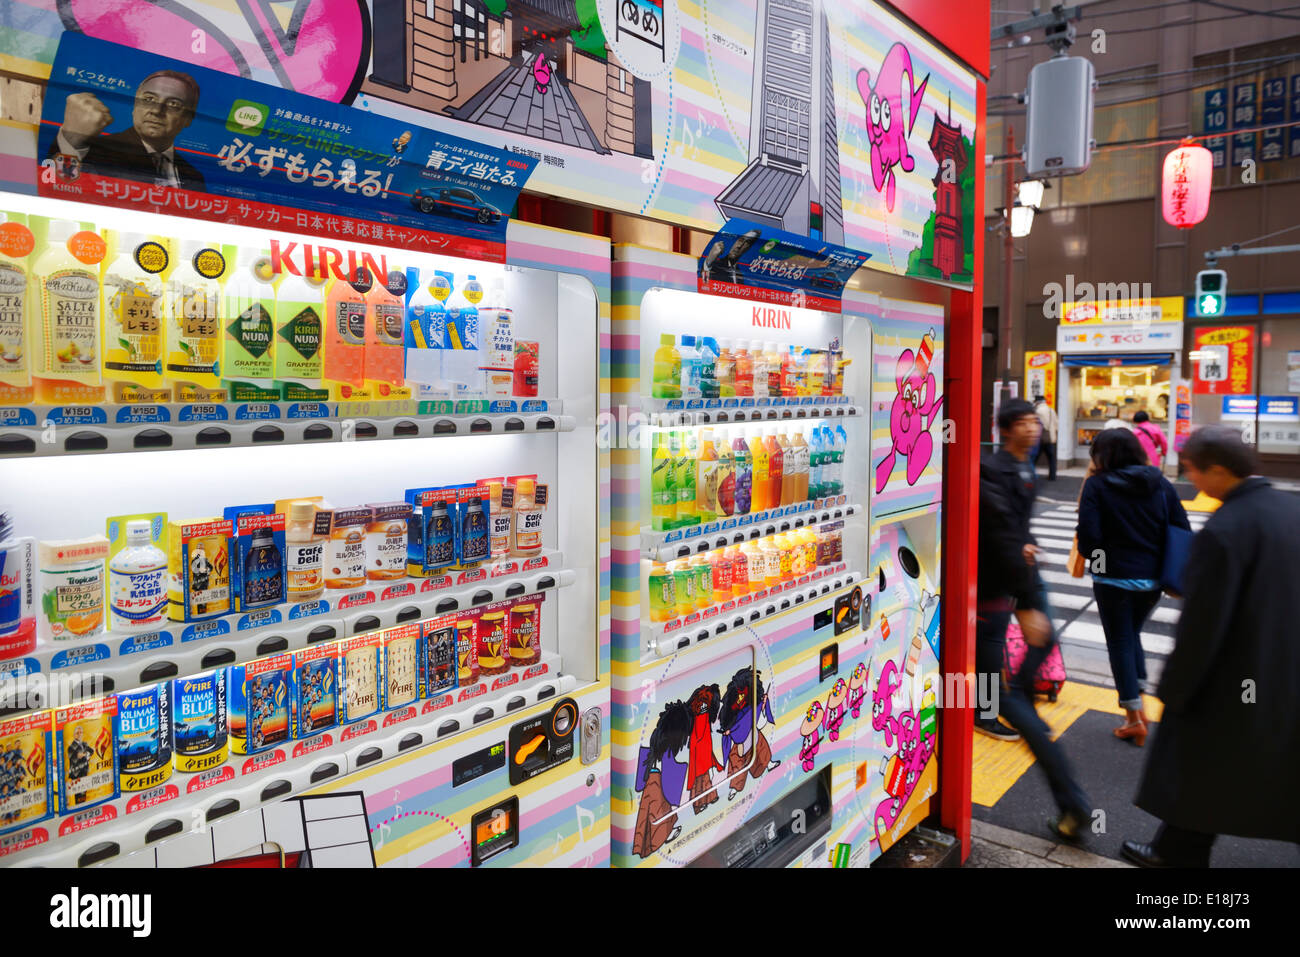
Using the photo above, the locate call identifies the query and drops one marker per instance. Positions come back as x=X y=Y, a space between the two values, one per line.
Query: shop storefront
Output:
x=1244 y=370
x=1117 y=359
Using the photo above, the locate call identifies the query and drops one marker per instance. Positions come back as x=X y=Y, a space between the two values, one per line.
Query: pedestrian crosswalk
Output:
x=1074 y=609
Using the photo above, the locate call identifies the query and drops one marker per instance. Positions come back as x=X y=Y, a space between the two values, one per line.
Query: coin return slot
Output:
x=100 y=852
x=276 y=789
x=158 y=671
x=406 y=427
x=785 y=603
x=369 y=756
x=217 y=657
x=222 y=808
x=317 y=433
x=412 y=740
x=163 y=829
x=212 y=436
x=152 y=439
x=85 y=442
x=324 y=771
x=268 y=433
x=17 y=445
x=321 y=633
x=272 y=645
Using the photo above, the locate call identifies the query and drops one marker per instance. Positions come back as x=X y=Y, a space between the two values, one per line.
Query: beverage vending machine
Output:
x=302 y=519
x=776 y=596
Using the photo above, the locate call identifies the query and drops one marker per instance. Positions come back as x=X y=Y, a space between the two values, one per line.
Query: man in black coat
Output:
x=165 y=102
x=1226 y=755
x=1009 y=584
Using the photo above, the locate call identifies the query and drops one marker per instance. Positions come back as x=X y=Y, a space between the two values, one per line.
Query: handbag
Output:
x=1076 y=564
x=1178 y=542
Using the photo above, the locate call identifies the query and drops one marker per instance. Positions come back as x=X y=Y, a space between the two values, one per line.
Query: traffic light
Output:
x=1211 y=292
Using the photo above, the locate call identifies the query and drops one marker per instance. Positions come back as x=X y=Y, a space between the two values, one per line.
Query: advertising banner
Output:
x=126 y=128
x=1225 y=360
x=1040 y=375
x=840 y=122
x=752 y=261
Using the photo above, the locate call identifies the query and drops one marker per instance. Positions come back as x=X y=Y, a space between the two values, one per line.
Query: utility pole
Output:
x=1008 y=250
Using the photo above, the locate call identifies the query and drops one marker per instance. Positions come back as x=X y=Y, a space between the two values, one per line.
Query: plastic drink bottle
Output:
x=739 y=570
x=702 y=565
x=709 y=387
x=248 y=339
x=16 y=340
x=690 y=368
x=132 y=307
x=706 y=478
x=788 y=469
x=789 y=372
x=667 y=377
x=742 y=464
x=816 y=467
x=343 y=336
x=137 y=582
x=726 y=475
x=774 y=357
x=775 y=468
x=799 y=452
x=425 y=329
x=298 y=333
x=193 y=316
x=758 y=376
x=663 y=600
x=761 y=487
x=722 y=571
x=725 y=369
x=384 y=358
x=663 y=484
x=683 y=585
x=744 y=370
x=685 y=449
x=841 y=448
x=67 y=324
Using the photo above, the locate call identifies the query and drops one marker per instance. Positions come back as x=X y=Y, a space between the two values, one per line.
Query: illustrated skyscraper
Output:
x=946 y=144
x=792 y=181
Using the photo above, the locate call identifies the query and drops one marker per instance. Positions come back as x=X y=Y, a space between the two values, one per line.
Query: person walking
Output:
x=1047 y=443
x=1009 y=584
x=1231 y=684
x=1124 y=509
x=1153 y=440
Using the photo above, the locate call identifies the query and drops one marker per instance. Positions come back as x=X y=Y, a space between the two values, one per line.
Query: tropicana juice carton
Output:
x=343 y=336
x=193 y=316
x=248 y=336
x=16 y=301
x=384 y=364
x=132 y=307
x=67 y=275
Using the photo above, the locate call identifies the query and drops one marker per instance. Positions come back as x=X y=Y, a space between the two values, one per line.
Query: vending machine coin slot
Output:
x=542 y=742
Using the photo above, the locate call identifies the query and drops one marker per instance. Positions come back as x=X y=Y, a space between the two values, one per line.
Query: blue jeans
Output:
x=1016 y=706
x=1123 y=614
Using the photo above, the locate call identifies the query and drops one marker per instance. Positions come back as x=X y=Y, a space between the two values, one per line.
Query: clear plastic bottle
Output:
x=739 y=570
x=132 y=308
x=667 y=376
x=788 y=469
x=68 y=357
x=773 y=356
x=761 y=485
x=663 y=483
x=691 y=363
x=725 y=368
x=756 y=377
x=193 y=316
x=299 y=330
x=137 y=582
x=743 y=466
x=815 y=454
x=685 y=452
x=709 y=386
x=706 y=478
x=799 y=457
x=841 y=448
x=426 y=323
x=16 y=340
x=726 y=475
x=775 y=468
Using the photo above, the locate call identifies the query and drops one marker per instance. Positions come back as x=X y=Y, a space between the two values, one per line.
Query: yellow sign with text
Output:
x=1109 y=311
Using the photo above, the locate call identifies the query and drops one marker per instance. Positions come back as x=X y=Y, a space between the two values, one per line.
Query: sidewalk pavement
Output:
x=993 y=846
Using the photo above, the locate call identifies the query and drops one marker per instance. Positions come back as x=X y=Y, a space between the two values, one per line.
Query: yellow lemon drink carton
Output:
x=132 y=306
x=194 y=317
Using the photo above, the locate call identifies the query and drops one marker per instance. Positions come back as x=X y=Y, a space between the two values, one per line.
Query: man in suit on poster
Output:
x=165 y=102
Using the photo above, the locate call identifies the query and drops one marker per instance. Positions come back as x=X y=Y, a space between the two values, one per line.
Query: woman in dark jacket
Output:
x=1123 y=512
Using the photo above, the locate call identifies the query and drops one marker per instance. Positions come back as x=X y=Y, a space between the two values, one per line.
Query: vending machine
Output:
x=775 y=594
x=289 y=517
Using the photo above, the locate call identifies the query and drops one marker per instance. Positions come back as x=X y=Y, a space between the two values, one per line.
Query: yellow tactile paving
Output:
x=997 y=765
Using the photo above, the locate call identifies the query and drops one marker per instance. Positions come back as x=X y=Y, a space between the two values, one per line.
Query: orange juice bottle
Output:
x=343 y=338
x=789 y=470
x=772 y=360
x=789 y=372
x=771 y=562
x=726 y=369
x=761 y=486
x=739 y=570
x=744 y=370
x=384 y=362
x=786 y=548
x=775 y=468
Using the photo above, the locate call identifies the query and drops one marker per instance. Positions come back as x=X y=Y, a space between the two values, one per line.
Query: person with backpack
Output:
x=1223 y=760
x=1047 y=442
x=1124 y=510
x=1009 y=584
x=1152 y=439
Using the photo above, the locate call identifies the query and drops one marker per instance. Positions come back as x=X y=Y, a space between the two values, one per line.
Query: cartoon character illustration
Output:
x=399 y=147
x=811 y=729
x=882 y=702
x=79 y=755
x=660 y=778
x=738 y=717
x=704 y=704
x=886 y=114
x=834 y=716
x=915 y=409
x=542 y=73
x=857 y=687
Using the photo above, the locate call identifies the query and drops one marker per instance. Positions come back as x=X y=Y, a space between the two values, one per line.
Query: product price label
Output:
x=205 y=629
x=405 y=590
x=713 y=403
x=436 y=583
x=308 y=609
x=746 y=520
x=397 y=717
x=358 y=729
x=469 y=577
x=256 y=619
x=317 y=743
x=745 y=600
x=142 y=414
x=693 y=532
x=710 y=528
x=253 y=411
x=541 y=561
x=150 y=642
x=309 y=410
x=261 y=762
x=79 y=656
x=77 y=415
x=535 y=405
x=747 y=403
x=356 y=599
x=208 y=779
x=674 y=404
x=710 y=613
x=673 y=536
x=19 y=668
x=203 y=413
x=692 y=619
x=473 y=692
x=505 y=568
x=437 y=407
x=505 y=681
x=17 y=417
x=437 y=704
x=503 y=405
x=471 y=407
x=79 y=822
x=729 y=523
x=694 y=403
x=729 y=606
x=152 y=798
x=730 y=403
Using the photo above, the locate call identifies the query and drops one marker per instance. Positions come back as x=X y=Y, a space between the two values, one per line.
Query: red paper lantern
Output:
x=1185 y=189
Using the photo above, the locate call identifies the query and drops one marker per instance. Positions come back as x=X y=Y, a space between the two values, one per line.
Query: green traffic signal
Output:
x=1211 y=292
